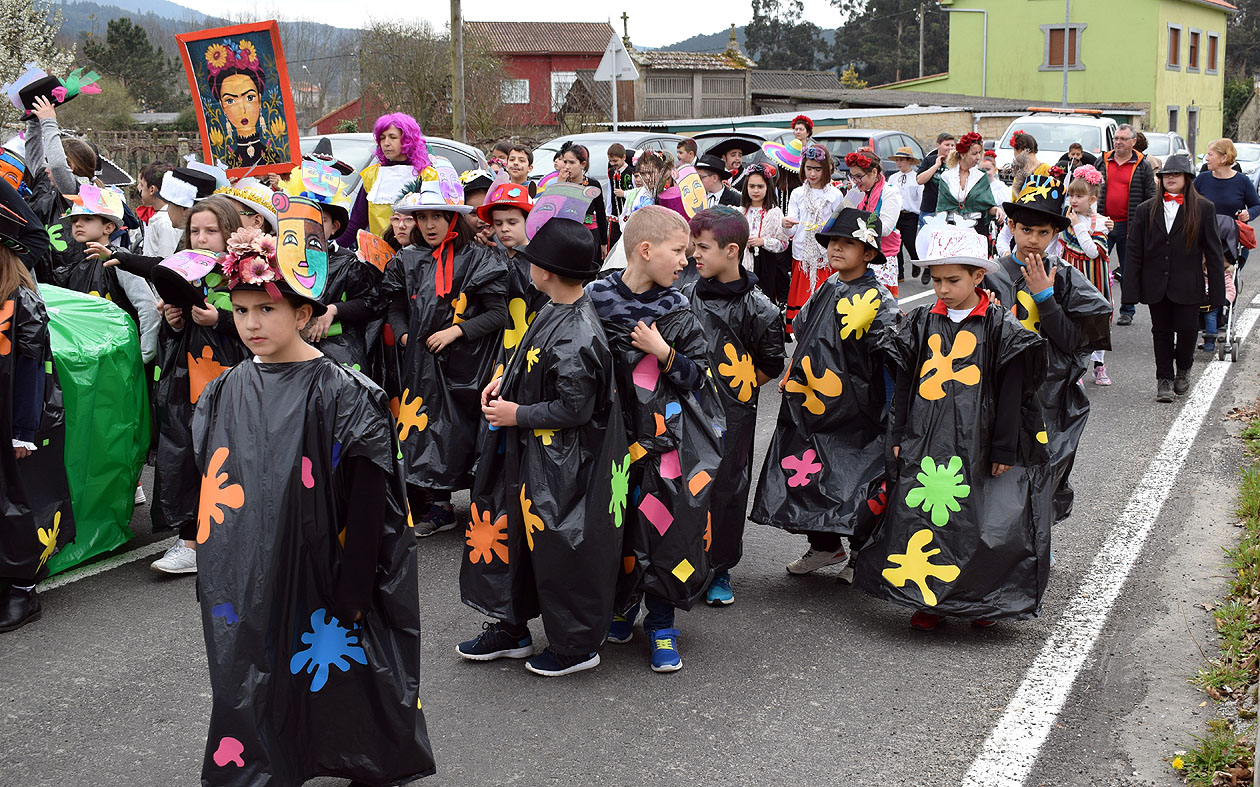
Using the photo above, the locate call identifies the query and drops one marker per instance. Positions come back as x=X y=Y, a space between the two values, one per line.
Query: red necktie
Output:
x=1180 y=199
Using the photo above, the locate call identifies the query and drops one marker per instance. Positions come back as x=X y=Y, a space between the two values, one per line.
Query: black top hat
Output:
x=203 y=181
x=745 y=146
x=480 y=182
x=175 y=290
x=44 y=86
x=324 y=152
x=564 y=247
x=852 y=223
x=1177 y=165
x=1040 y=201
x=714 y=164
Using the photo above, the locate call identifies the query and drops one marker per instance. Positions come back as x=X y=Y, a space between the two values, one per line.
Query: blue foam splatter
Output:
x=672 y=409
x=336 y=454
x=225 y=611
x=329 y=646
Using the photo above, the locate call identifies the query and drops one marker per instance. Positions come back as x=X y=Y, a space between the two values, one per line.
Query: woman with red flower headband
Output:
x=809 y=208
x=866 y=173
x=964 y=196
x=767 y=239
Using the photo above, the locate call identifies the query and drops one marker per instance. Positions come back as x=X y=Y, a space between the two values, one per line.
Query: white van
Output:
x=1055 y=130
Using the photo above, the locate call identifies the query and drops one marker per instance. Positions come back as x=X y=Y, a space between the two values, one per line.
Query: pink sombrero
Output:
x=786 y=156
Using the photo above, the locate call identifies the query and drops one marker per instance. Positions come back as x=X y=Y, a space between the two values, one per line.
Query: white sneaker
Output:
x=846 y=573
x=179 y=559
x=813 y=560
x=140 y=498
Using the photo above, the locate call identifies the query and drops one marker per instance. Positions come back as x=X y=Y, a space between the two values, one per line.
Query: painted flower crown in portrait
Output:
x=242 y=55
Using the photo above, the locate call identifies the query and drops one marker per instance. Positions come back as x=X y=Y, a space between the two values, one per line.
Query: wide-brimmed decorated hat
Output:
x=745 y=146
x=713 y=164
x=443 y=192
x=251 y=264
x=1040 y=201
x=505 y=195
x=34 y=82
x=786 y=156
x=907 y=153
x=323 y=153
x=561 y=243
x=96 y=201
x=852 y=223
x=252 y=195
x=1178 y=164
x=984 y=263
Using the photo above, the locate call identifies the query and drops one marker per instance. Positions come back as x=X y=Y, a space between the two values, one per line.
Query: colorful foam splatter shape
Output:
x=201 y=371
x=513 y=334
x=646 y=373
x=1043 y=437
x=216 y=495
x=328 y=645
x=458 y=306
x=672 y=409
x=225 y=611
x=410 y=415
x=48 y=537
x=879 y=502
x=627 y=563
x=546 y=435
x=655 y=512
x=637 y=451
x=531 y=357
x=857 y=313
x=620 y=490
x=708 y=531
x=1032 y=315
x=914 y=566
x=486 y=537
x=683 y=570
x=739 y=372
x=660 y=424
x=532 y=521
x=802 y=467
x=828 y=384
x=698 y=482
x=940 y=488
x=939 y=369
x=671 y=466
x=308 y=477
x=230 y=750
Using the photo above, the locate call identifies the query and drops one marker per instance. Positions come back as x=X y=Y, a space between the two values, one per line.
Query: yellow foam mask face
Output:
x=301 y=249
x=691 y=191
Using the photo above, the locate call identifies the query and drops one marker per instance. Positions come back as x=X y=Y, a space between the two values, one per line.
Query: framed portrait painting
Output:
x=240 y=87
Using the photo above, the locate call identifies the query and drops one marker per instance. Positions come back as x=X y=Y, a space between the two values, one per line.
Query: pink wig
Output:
x=413 y=146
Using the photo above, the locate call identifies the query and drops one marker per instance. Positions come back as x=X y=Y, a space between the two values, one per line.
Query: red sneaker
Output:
x=924 y=621
x=982 y=623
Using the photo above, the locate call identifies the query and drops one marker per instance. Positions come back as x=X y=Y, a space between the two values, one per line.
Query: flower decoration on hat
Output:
x=815 y=153
x=969 y=139
x=1089 y=174
x=857 y=159
x=251 y=259
x=867 y=231
x=767 y=171
x=1057 y=172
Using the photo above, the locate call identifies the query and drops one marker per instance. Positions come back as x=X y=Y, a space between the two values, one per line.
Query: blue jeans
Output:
x=660 y=614
x=1210 y=322
x=1117 y=240
x=923 y=217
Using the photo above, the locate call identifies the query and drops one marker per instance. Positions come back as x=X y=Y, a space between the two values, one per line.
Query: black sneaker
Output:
x=496 y=643
x=1124 y=319
x=926 y=276
x=1181 y=385
x=1164 y=391
x=552 y=665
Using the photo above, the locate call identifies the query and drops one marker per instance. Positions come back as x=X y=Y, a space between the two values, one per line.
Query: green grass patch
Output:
x=1224 y=747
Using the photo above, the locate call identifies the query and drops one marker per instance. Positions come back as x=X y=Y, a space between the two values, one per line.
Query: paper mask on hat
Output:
x=448 y=182
x=96 y=201
x=320 y=179
x=301 y=249
x=191 y=264
x=561 y=201
x=11 y=169
x=691 y=191
x=374 y=249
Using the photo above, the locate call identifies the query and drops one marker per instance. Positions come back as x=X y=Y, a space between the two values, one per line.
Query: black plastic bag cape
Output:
x=954 y=540
x=349 y=279
x=675 y=448
x=439 y=404
x=733 y=363
x=525 y=302
x=51 y=206
x=296 y=693
x=93 y=278
x=825 y=465
x=1064 y=402
x=35 y=508
x=187 y=361
x=548 y=505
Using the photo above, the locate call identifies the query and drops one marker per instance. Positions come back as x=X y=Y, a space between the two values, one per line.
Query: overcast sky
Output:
x=652 y=22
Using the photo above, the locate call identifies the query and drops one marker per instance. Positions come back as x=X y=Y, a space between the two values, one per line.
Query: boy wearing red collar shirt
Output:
x=966 y=532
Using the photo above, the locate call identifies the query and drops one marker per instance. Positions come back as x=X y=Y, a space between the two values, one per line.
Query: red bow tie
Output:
x=1180 y=199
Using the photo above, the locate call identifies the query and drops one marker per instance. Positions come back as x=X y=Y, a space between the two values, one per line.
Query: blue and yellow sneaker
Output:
x=622 y=629
x=665 y=655
x=720 y=593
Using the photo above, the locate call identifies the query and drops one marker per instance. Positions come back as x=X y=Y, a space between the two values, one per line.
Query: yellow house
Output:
x=1167 y=55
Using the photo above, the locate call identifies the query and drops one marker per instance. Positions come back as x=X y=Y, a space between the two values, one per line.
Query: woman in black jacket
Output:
x=1172 y=243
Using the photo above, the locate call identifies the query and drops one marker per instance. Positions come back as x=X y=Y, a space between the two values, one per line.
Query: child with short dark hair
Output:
x=674 y=422
x=1056 y=301
x=161 y=238
x=744 y=331
x=825 y=464
x=1085 y=244
x=687 y=152
x=620 y=180
x=541 y=541
x=965 y=532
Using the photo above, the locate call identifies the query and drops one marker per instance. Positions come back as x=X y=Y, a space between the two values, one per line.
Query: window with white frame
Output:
x=561 y=81
x=515 y=91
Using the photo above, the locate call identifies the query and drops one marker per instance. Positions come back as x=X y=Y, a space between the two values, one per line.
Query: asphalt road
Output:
x=803 y=681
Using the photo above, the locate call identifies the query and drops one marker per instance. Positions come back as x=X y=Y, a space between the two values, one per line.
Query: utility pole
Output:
x=920 y=40
x=1067 y=32
x=458 y=131
x=362 y=94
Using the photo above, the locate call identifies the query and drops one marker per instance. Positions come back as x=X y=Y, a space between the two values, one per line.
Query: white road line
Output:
x=917 y=296
x=92 y=569
x=1009 y=753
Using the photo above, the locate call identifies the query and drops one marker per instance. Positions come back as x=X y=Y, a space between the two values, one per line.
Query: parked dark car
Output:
x=844 y=141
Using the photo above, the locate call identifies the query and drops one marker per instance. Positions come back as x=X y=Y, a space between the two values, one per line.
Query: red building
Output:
x=542 y=60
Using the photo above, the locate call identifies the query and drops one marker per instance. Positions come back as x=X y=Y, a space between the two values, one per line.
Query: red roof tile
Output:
x=530 y=37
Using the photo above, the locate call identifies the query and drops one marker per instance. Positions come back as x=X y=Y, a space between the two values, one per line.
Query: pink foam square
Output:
x=671 y=468
x=646 y=373
x=656 y=513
